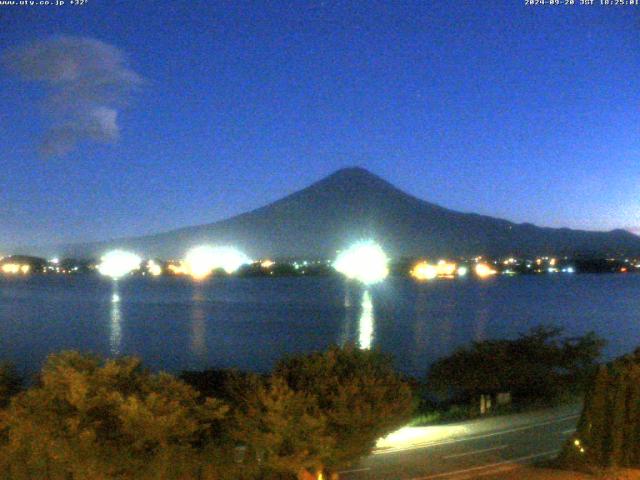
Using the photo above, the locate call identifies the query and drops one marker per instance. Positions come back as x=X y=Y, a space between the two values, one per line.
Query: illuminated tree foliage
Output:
x=357 y=391
x=96 y=419
x=608 y=433
x=284 y=429
x=89 y=418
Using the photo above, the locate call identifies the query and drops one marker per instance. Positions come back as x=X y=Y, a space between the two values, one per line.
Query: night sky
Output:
x=125 y=118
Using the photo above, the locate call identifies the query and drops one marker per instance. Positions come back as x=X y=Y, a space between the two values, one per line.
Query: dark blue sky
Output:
x=526 y=113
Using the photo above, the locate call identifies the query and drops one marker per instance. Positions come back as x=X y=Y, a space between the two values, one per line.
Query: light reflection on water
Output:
x=358 y=325
x=482 y=318
x=348 y=321
x=250 y=324
x=366 y=325
x=198 y=325
x=421 y=328
x=115 y=325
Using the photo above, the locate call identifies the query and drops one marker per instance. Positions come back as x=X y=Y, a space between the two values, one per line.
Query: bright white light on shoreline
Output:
x=364 y=261
x=153 y=268
x=462 y=271
x=201 y=261
x=118 y=263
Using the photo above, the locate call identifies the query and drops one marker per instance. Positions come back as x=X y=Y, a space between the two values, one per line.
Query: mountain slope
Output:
x=353 y=204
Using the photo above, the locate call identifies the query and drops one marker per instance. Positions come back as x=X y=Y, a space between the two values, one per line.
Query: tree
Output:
x=536 y=365
x=284 y=430
x=90 y=418
x=228 y=385
x=608 y=432
x=357 y=391
x=580 y=358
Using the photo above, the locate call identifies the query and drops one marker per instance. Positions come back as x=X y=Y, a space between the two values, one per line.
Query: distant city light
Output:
x=177 y=268
x=118 y=263
x=15 y=268
x=483 y=270
x=55 y=260
x=153 y=268
x=364 y=261
x=201 y=261
x=424 y=271
x=269 y=264
x=446 y=269
x=462 y=271
x=427 y=271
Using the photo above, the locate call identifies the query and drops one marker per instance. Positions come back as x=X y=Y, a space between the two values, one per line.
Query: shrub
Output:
x=538 y=365
x=358 y=392
x=98 y=419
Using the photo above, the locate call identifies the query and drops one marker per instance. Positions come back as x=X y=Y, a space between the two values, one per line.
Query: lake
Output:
x=173 y=323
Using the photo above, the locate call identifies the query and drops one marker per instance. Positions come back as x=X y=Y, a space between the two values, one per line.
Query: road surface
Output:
x=468 y=450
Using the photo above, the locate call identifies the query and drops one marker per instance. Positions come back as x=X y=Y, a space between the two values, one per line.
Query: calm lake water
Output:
x=175 y=324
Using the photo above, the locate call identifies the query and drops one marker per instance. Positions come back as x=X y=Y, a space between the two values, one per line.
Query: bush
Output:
x=90 y=418
x=357 y=391
x=538 y=365
x=285 y=430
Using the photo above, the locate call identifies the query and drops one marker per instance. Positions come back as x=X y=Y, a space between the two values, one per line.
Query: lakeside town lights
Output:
x=425 y=271
x=15 y=268
x=201 y=261
x=483 y=270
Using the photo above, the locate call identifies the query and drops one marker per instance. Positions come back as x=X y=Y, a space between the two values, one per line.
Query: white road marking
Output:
x=474 y=452
x=490 y=465
x=475 y=437
x=355 y=470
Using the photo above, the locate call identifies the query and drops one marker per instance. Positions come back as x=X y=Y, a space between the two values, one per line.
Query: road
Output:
x=468 y=450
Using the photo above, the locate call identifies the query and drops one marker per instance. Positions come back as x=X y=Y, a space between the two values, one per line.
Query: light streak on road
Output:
x=470 y=449
x=425 y=439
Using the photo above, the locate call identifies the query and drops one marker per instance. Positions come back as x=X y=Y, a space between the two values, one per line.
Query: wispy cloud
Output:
x=87 y=83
